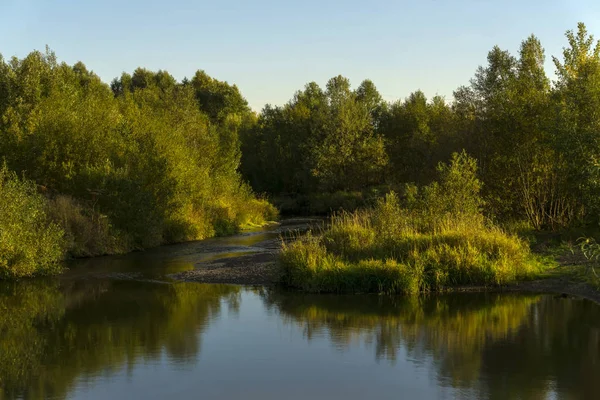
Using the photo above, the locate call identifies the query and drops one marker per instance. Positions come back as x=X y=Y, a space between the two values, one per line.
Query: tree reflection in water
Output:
x=502 y=346
x=55 y=335
x=52 y=334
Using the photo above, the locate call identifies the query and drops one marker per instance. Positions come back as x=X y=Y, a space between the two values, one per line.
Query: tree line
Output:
x=143 y=161
x=536 y=142
x=106 y=168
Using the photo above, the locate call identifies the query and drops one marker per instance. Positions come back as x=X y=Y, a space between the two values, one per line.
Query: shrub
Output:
x=87 y=232
x=137 y=164
x=429 y=244
x=30 y=243
x=311 y=268
x=328 y=202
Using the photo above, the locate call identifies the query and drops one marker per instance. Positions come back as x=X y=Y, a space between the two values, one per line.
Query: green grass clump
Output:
x=30 y=243
x=431 y=243
x=354 y=256
x=310 y=267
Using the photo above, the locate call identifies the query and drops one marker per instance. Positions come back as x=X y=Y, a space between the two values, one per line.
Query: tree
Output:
x=216 y=98
x=577 y=99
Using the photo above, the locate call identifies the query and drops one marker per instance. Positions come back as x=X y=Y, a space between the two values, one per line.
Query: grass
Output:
x=571 y=263
x=390 y=249
x=38 y=232
x=433 y=239
x=87 y=232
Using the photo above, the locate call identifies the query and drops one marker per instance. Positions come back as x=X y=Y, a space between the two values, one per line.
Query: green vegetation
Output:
x=142 y=162
x=536 y=142
x=323 y=147
x=148 y=160
x=437 y=239
x=591 y=251
x=30 y=243
x=535 y=145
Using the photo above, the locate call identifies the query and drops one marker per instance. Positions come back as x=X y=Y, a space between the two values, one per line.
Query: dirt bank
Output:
x=256 y=268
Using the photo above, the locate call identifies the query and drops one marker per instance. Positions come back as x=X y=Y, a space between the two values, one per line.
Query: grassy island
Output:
x=434 y=238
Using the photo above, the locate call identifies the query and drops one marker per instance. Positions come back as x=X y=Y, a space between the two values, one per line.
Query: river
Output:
x=128 y=327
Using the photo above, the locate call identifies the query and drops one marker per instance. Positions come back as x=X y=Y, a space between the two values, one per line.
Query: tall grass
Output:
x=429 y=243
x=87 y=232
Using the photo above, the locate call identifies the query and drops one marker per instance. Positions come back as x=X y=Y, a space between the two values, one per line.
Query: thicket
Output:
x=142 y=162
x=30 y=243
x=148 y=160
x=537 y=142
x=434 y=238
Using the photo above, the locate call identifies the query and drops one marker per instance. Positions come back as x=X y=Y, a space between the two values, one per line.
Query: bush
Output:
x=133 y=165
x=327 y=203
x=30 y=243
x=429 y=244
x=87 y=232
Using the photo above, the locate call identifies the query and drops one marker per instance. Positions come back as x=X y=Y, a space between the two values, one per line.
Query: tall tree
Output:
x=351 y=155
x=577 y=97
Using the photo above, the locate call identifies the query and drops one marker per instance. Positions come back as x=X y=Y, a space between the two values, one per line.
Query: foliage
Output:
x=326 y=203
x=87 y=232
x=142 y=162
x=428 y=245
x=30 y=243
x=322 y=141
x=536 y=142
x=148 y=160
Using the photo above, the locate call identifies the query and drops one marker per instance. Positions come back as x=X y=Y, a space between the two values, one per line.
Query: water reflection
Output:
x=52 y=335
x=159 y=262
x=56 y=336
x=502 y=346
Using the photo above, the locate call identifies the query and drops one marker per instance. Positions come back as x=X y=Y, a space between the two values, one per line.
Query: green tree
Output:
x=138 y=161
x=218 y=99
x=351 y=154
x=577 y=99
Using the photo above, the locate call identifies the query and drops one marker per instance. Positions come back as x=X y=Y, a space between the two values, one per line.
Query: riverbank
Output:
x=261 y=268
x=254 y=264
x=250 y=258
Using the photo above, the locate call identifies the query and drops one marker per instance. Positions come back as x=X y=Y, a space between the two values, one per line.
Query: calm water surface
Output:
x=105 y=338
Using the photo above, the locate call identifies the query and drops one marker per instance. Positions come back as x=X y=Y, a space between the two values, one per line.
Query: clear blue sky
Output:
x=271 y=48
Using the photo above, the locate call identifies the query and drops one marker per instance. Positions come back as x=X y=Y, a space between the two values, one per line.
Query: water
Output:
x=96 y=336
x=160 y=262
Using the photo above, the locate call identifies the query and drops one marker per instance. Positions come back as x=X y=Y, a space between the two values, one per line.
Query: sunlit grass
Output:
x=388 y=249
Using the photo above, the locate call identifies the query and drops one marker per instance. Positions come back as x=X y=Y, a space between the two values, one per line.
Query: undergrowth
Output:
x=434 y=239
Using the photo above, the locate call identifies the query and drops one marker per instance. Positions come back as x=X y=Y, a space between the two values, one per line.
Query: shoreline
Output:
x=560 y=286
x=256 y=264
x=261 y=269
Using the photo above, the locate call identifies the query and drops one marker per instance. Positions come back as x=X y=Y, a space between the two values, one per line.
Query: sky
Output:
x=272 y=48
